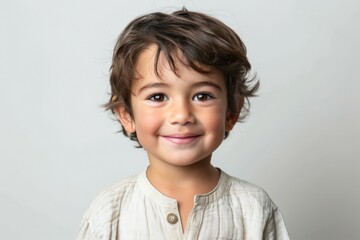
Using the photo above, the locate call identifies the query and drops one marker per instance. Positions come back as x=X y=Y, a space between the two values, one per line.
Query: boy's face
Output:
x=179 y=120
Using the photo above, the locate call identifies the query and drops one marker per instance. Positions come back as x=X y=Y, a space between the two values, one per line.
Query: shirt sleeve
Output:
x=85 y=231
x=275 y=228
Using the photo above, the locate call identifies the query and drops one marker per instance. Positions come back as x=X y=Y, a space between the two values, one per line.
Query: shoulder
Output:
x=250 y=195
x=117 y=190
x=259 y=213
x=114 y=195
x=106 y=207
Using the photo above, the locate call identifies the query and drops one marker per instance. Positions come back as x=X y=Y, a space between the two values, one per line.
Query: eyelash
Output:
x=160 y=97
x=203 y=94
x=157 y=95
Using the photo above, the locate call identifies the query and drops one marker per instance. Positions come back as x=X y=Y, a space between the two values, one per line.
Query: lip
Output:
x=182 y=138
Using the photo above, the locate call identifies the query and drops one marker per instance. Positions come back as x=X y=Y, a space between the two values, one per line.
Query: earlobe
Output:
x=125 y=119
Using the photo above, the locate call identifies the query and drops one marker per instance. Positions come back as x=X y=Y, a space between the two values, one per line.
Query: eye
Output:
x=158 y=97
x=203 y=97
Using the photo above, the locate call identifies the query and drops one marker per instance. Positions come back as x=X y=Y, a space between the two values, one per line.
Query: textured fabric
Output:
x=134 y=209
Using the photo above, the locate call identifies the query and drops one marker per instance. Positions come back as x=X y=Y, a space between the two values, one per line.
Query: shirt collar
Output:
x=202 y=199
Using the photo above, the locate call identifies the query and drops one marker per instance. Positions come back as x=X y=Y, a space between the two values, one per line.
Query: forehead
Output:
x=149 y=66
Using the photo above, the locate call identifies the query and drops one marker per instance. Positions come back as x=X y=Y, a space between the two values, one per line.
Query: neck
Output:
x=199 y=178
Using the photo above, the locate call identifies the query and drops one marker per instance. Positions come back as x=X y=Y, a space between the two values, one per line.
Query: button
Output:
x=172 y=218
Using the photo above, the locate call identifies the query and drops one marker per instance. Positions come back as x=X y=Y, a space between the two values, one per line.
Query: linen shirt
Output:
x=134 y=209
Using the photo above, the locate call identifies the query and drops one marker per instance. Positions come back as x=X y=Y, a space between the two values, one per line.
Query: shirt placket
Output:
x=173 y=222
x=194 y=221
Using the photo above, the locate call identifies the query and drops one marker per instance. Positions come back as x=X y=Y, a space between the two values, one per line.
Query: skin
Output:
x=180 y=120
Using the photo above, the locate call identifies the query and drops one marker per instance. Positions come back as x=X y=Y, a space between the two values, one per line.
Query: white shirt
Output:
x=134 y=209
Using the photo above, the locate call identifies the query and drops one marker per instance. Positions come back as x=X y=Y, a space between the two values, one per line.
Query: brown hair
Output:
x=202 y=40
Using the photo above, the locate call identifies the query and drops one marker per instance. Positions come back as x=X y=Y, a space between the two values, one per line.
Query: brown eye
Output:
x=158 y=97
x=202 y=97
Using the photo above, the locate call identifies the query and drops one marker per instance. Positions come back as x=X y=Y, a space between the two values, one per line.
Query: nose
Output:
x=181 y=113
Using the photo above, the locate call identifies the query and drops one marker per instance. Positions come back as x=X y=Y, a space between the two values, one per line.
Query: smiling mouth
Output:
x=182 y=138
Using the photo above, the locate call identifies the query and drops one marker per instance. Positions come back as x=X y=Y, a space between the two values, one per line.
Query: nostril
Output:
x=181 y=113
x=183 y=120
x=186 y=123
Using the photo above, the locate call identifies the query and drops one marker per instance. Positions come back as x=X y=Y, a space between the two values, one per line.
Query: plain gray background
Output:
x=59 y=149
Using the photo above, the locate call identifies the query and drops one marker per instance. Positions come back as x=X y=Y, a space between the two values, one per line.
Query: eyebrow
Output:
x=207 y=83
x=162 y=85
x=153 y=85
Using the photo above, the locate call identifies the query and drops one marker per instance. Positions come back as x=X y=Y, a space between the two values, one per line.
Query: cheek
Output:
x=217 y=124
x=215 y=120
x=146 y=122
x=146 y=129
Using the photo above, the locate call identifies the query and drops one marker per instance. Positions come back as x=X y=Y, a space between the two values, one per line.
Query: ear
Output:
x=230 y=121
x=125 y=119
x=232 y=117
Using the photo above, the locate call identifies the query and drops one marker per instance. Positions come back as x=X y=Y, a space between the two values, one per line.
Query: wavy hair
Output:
x=202 y=41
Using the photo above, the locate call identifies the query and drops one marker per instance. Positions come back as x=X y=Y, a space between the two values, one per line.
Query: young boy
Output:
x=179 y=84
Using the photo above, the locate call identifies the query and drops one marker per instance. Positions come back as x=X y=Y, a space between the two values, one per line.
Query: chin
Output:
x=187 y=162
